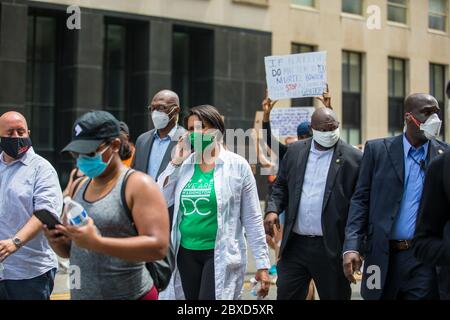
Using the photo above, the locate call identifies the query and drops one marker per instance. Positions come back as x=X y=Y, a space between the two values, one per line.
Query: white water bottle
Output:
x=255 y=287
x=75 y=212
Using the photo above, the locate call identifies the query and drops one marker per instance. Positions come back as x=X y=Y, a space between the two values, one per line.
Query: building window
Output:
x=351 y=96
x=397 y=91
x=437 y=90
x=41 y=80
x=253 y=2
x=302 y=48
x=304 y=3
x=181 y=74
x=115 y=69
x=192 y=65
x=398 y=11
x=437 y=14
x=352 y=6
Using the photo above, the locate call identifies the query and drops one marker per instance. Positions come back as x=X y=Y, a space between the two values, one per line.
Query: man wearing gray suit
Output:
x=154 y=147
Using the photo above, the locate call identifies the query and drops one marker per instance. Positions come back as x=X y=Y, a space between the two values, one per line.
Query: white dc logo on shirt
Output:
x=195 y=205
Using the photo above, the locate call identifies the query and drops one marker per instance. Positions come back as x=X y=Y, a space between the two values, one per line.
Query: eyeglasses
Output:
x=161 y=107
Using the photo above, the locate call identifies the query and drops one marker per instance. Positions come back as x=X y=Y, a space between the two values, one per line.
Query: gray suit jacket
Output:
x=144 y=146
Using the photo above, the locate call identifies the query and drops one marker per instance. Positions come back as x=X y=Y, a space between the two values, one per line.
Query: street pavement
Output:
x=61 y=291
x=251 y=269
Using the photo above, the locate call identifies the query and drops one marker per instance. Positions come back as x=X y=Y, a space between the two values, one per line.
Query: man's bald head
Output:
x=418 y=108
x=325 y=128
x=324 y=119
x=167 y=97
x=417 y=101
x=13 y=124
x=168 y=102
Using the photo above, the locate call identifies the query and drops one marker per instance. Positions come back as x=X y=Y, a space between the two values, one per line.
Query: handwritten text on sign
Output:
x=284 y=121
x=296 y=75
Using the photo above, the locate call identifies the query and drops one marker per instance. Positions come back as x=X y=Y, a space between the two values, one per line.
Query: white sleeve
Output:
x=252 y=220
x=167 y=182
x=47 y=194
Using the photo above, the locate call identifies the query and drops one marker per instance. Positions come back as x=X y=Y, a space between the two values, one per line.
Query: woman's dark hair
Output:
x=207 y=114
x=125 y=151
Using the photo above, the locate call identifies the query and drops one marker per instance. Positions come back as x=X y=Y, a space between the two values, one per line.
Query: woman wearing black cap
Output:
x=110 y=251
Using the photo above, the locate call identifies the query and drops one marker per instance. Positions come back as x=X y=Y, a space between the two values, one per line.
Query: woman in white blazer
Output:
x=215 y=199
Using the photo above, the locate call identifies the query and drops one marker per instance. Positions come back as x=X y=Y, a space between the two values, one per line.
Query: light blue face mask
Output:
x=93 y=166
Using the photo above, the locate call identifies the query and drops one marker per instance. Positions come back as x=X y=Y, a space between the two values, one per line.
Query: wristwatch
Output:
x=17 y=242
x=176 y=165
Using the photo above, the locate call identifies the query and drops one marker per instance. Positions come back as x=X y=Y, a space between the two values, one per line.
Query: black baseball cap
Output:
x=90 y=130
x=124 y=127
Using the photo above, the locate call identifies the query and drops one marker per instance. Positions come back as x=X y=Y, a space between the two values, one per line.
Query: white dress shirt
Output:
x=309 y=220
x=28 y=185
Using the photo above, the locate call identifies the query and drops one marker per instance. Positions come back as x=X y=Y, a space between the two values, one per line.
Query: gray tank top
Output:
x=104 y=277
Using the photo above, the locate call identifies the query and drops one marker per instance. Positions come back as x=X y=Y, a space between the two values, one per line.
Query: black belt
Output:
x=306 y=237
x=400 y=245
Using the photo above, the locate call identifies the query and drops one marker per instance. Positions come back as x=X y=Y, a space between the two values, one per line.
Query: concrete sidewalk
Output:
x=251 y=269
x=61 y=290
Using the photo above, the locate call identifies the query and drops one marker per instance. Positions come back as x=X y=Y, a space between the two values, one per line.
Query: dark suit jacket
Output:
x=341 y=181
x=144 y=146
x=432 y=238
x=142 y=155
x=376 y=203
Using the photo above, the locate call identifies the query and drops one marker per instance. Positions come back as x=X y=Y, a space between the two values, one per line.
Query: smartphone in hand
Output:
x=47 y=218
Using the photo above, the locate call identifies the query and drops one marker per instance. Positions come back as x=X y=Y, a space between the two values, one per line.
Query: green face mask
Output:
x=205 y=138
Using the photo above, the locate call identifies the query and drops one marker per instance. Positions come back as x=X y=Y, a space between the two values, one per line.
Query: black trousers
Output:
x=443 y=274
x=303 y=259
x=409 y=279
x=197 y=273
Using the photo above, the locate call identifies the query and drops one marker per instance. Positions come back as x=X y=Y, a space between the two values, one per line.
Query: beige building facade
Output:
x=372 y=31
x=327 y=28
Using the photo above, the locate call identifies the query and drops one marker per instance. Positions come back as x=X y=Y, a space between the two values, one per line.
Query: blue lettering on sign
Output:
x=288 y=79
x=310 y=77
x=312 y=91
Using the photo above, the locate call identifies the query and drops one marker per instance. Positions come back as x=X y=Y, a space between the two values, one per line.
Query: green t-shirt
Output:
x=198 y=207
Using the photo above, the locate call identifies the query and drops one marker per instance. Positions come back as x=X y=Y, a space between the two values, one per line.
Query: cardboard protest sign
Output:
x=296 y=75
x=285 y=121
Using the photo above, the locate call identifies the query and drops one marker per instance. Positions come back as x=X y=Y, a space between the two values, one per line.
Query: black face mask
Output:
x=15 y=147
